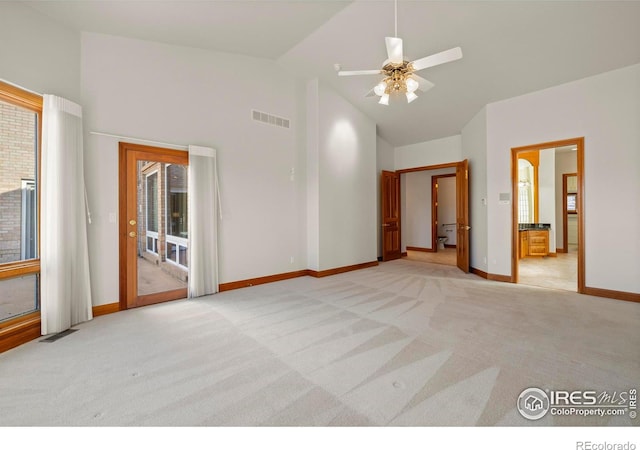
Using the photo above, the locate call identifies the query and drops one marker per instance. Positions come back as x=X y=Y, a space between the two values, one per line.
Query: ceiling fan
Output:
x=399 y=74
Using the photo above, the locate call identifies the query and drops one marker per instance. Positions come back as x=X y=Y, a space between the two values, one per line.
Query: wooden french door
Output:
x=152 y=224
x=462 y=215
x=390 y=196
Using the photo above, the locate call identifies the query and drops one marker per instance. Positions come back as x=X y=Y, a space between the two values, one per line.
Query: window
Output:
x=152 y=202
x=20 y=116
x=528 y=187
x=176 y=218
x=524 y=203
x=28 y=227
x=151 y=197
x=572 y=203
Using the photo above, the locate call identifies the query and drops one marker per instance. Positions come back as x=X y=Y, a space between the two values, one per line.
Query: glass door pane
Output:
x=162 y=227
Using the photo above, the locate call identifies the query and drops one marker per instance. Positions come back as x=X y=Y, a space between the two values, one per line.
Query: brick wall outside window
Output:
x=17 y=163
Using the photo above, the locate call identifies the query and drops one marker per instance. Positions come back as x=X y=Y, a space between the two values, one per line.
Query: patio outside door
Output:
x=153 y=225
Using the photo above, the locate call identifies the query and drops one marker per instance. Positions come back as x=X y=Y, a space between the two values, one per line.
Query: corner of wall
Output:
x=474 y=149
x=313 y=175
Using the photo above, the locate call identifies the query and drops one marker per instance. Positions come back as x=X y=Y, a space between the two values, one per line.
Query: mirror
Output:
x=528 y=188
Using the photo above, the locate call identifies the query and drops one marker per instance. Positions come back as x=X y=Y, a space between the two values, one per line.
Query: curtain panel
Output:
x=204 y=204
x=64 y=257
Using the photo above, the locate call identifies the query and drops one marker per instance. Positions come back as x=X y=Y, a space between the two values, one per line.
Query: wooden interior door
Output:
x=136 y=268
x=462 y=215
x=390 y=196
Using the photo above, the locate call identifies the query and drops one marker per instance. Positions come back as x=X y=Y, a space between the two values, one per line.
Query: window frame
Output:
x=25 y=327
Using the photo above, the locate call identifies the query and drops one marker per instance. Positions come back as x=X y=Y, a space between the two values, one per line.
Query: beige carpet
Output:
x=404 y=343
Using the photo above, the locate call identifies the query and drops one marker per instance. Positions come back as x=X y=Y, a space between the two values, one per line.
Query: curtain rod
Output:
x=167 y=144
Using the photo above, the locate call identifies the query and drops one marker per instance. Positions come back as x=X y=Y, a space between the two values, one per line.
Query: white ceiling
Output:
x=510 y=47
x=257 y=28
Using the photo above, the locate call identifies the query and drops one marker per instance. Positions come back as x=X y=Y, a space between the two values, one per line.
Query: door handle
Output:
x=132 y=234
x=386 y=224
x=464 y=227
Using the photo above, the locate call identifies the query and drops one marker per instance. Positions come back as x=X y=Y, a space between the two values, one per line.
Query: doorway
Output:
x=426 y=235
x=547 y=185
x=569 y=213
x=153 y=225
x=443 y=225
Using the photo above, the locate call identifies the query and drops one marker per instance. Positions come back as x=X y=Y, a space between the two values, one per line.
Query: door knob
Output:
x=132 y=234
x=132 y=222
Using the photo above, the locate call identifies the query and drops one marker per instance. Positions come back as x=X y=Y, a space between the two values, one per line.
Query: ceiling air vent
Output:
x=270 y=119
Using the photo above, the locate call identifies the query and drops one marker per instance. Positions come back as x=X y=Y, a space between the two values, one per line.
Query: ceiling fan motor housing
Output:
x=396 y=76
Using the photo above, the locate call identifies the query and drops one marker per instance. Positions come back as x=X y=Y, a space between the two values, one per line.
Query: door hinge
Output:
x=466 y=174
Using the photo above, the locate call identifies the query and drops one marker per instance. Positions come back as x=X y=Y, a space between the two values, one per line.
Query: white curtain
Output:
x=204 y=204
x=64 y=258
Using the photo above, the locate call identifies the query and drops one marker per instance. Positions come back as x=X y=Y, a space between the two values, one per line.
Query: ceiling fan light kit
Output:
x=399 y=74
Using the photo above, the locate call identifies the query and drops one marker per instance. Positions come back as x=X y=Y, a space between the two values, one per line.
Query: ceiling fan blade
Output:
x=394 y=49
x=348 y=73
x=425 y=85
x=437 y=59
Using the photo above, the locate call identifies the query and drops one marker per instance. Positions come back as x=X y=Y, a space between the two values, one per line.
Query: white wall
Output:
x=384 y=161
x=190 y=96
x=605 y=109
x=566 y=162
x=313 y=175
x=572 y=229
x=347 y=183
x=429 y=153
x=416 y=223
x=547 y=193
x=474 y=149
x=37 y=53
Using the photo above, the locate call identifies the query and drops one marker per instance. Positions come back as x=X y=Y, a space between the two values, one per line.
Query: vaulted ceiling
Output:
x=510 y=48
